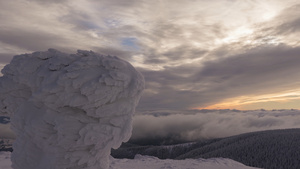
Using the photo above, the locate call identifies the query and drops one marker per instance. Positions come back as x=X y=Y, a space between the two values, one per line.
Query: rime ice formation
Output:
x=68 y=111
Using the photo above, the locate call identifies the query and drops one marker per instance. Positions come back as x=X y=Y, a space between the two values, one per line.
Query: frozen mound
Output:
x=68 y=111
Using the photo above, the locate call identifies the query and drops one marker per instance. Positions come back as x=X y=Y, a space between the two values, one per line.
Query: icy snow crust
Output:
x=68 y=111
x=147 y=162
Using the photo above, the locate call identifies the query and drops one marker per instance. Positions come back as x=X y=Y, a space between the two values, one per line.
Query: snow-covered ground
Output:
x=5 y=160
x=147 y=162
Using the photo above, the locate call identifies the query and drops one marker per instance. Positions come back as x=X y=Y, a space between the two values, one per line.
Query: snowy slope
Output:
x=147 y=162
x=272 y=149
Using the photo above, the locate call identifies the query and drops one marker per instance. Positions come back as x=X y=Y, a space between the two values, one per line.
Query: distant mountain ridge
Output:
x=273 y=149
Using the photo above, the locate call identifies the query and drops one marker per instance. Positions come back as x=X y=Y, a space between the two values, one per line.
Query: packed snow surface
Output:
x=147 y=162
x=68 y=110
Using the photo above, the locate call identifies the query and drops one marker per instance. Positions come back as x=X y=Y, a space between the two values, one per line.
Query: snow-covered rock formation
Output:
x=68 y=111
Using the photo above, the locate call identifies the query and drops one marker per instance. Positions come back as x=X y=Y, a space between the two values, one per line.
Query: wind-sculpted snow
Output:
x=68 y=111
x=147 y=162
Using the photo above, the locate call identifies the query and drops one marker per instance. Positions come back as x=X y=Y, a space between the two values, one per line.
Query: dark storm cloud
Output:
x=161 y=88
x=31 y=40
x=261 y=67
x=273 y=60
x=154 y=56
x=5 y=57
x=185 y=52
x=204 y=124
x=291 y=27
x=285 y=26
x=117 y=3
x=124 y=54
x=166 y=34
x=232 y=70
x=290 y=20
x=79 y=20
x=260 y=70
x=49 y=2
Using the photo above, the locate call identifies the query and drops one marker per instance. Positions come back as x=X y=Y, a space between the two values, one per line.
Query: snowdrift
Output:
x=147 y=162
x=68 y=111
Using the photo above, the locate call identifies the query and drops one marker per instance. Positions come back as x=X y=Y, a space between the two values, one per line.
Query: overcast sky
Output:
x=193 y=53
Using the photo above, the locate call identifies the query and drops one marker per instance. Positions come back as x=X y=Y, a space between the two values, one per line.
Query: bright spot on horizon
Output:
x=285 y=99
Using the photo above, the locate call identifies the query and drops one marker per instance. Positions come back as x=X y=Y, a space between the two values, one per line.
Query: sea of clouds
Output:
x=193 y=125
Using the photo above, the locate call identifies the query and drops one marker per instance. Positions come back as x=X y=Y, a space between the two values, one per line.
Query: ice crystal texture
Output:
x=68 y=110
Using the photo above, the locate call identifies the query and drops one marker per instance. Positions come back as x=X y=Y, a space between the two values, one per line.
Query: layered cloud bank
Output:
x=68 y=111
x=172 y=126
x=162 y=127
x=193 y=54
